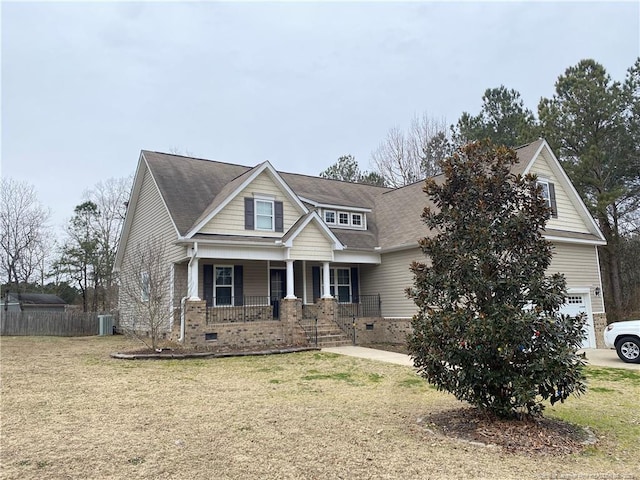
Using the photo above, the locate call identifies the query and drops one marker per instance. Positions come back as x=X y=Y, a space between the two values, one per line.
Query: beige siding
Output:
x=150 y=220
x=579 y=264
x=230 y=220
x=254 y=277
x=390 y=279
x=311 y=244
x=568 y=217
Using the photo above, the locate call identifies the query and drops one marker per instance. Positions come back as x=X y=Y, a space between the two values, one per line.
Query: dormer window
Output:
x=345 y=219
x=330 y=217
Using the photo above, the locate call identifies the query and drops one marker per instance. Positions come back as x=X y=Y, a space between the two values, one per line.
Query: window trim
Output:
x=550 y=199
x=544 y=186
x=145 y=286
x=333 y=271
x=215 y=286
x=269 y=201
x=334 y=217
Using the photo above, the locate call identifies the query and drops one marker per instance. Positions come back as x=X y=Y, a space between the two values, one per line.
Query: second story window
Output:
x=264 y=215
x=330 y=217
x=343 y=218
x=548 y=193
x=356 y=219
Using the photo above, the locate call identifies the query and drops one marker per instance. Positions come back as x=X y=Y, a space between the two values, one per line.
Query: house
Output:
x=261 y=257
x=32 y=302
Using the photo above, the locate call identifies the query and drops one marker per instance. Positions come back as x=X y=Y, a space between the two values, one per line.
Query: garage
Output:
x=576 y=304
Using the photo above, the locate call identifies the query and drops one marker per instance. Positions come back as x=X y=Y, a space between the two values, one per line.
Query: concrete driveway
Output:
x=607 y=358
x=599 y=357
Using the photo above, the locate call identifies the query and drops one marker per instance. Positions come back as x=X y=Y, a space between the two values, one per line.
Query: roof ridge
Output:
x=199 y=158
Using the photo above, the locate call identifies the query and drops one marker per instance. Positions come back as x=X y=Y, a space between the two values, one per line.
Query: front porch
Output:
x=252 y=322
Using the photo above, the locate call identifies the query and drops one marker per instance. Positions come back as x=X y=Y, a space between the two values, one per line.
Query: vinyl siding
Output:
x=390 y=279
x=311 y=244
x=254 y=275
x=568 y=217
x=579 y=264
x=230 y=220
x=150 y=220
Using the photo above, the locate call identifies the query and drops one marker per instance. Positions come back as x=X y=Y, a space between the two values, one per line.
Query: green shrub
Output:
x=487 y=328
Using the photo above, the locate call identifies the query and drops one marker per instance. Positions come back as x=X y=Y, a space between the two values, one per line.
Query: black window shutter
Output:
x=238 y=283
x=355 y=286
x=552 y=197
x=248 y=214
x=279 y=217
x=207 y=283
x=315 y=276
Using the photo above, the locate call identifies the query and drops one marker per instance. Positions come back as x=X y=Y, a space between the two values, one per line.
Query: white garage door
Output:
x=578 y=303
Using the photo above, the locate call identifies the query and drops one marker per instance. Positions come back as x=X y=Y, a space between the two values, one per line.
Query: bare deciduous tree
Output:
x=23 y=231
x=145 y=288
x=404 y=158
x=110 y=197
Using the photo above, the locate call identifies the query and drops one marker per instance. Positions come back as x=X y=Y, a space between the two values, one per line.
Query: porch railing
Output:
x=242 y=309
x=360 y=306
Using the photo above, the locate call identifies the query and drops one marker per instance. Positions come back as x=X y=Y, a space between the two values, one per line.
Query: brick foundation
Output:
x=382 y=330
x=242 y=335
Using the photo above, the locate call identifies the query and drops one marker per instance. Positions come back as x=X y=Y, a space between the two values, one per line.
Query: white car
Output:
x=625 y=338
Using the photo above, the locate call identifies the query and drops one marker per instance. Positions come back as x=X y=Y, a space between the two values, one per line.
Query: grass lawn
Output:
x=70 y=411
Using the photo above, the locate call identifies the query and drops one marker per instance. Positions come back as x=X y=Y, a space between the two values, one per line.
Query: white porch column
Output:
x=326 y=286
x=290 y=294
x=193 y=279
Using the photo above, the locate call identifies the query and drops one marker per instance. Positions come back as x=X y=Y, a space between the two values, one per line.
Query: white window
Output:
x=356 y=219
x=223 y=285
x=145 y=283
x=546 y=194
x=330 y=216
x=264 y=215
x=343 y=218
x=340 y=284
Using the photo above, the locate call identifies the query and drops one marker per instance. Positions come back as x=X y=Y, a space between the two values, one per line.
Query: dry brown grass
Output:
x=71 y=411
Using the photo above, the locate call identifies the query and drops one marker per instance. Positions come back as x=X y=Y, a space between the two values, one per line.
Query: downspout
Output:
x=194 y=253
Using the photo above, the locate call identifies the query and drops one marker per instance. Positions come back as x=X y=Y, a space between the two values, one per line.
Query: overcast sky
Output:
x=86 y=86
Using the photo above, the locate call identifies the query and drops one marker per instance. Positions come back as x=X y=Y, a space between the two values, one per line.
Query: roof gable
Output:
x=302 y=223
x=236 y=186
x=573 y=214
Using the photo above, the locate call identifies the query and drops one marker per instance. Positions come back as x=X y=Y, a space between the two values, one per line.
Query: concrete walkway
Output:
x=599 y=357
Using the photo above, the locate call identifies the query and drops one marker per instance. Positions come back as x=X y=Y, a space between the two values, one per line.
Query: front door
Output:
x=277 y=287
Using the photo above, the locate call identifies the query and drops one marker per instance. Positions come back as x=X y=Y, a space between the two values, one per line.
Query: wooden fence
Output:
x=58 y=324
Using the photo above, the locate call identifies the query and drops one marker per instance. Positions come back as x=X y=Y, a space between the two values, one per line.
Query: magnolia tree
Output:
x=487 y=328
x=145 y=288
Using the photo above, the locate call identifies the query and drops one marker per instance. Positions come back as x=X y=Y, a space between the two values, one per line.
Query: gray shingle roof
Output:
x=36 y=298
x=189 y=185
x=192 y=188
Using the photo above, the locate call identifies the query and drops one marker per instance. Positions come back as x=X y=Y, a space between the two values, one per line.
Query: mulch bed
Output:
x=183 y=353
x=535 y=436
